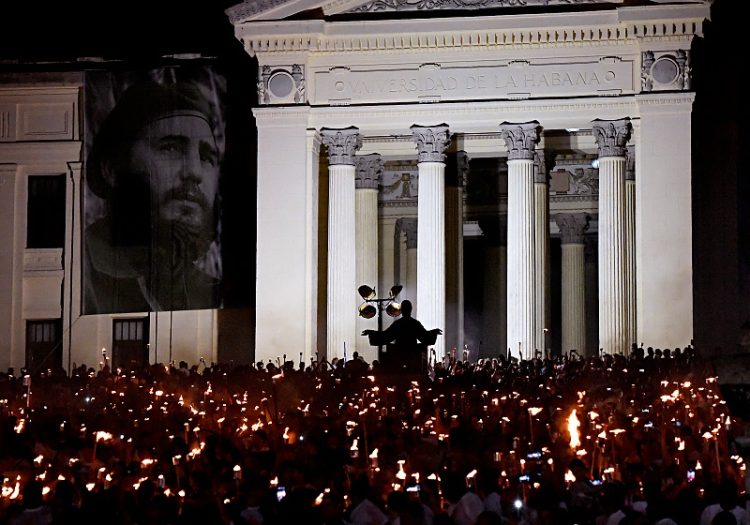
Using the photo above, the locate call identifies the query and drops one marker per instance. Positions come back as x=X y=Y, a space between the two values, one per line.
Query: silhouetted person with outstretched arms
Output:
x=407 y=341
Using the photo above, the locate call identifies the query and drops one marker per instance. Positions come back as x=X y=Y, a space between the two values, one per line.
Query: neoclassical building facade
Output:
x=522 y=168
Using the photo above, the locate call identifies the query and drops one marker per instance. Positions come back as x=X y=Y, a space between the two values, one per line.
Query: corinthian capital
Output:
x=520 y=139
x=369 y=170
x=572 y=226
x=432 y=142
x=612 y=136
x=342 y=144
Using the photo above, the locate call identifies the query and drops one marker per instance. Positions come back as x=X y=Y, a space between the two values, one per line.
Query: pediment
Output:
x=252 y=10
x=373 y=6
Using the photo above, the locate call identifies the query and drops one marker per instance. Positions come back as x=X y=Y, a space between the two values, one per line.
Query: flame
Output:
x=401 y=474
x=103 y=436
x=573 y=426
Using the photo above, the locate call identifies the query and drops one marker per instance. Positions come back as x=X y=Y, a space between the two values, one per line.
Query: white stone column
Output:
x=572 y=229
x=368 y=172
x=664 y=276
x=432 y=142
x=611 y=138
x=454 y=259
x=286 y=310
x=342 y=285
x=409 y=227
x=494 y=288
x=541 y=252
x=630 y=243
x=521 y=140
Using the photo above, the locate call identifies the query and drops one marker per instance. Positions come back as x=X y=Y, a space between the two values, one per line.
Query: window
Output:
x=43 y=344
x=45 y=211
x=130 y=342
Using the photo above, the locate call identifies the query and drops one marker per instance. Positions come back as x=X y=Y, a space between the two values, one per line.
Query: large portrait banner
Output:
x=155 y=146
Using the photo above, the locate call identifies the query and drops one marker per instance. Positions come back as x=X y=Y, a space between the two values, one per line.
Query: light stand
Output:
x=389 y=304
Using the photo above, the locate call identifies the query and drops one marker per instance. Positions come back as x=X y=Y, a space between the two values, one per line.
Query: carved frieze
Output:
x=519 y=79
x=584 y=181
x=573 y=174
x=281 y=85
x=425 y=5
x=399 y=185
x=666 y=70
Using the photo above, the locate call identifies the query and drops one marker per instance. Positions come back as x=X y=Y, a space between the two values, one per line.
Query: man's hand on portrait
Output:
x=368 y=332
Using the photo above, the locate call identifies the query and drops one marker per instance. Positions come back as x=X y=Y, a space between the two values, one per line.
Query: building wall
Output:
x=40 y=134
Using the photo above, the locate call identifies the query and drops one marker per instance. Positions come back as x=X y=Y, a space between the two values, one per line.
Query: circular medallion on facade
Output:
x=665 y=70
x=280 y=84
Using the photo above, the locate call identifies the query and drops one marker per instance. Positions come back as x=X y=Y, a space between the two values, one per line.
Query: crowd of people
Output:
x=644 y=439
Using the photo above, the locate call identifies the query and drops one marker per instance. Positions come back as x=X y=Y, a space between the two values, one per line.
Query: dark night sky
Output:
x=125 y=30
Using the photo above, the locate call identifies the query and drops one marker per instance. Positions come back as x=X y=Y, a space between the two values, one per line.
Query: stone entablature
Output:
x=605 y=53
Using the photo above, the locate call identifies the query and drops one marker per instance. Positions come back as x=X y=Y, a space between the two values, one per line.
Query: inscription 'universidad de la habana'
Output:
x=461 y=83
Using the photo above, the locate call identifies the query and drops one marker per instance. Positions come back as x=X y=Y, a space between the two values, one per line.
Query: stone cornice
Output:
x=282 y=116
x=517 y=31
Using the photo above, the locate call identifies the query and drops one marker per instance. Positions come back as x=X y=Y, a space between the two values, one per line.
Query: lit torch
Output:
x=573 y=425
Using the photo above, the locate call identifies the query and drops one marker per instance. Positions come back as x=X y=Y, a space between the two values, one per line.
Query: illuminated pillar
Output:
x=520 y=140
x=541 y=253
x=432 y=142
x=630 y=243
x=454 y=258
x=611 y=138
x=342 y=286
x=368 y=172
x=572 y=230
